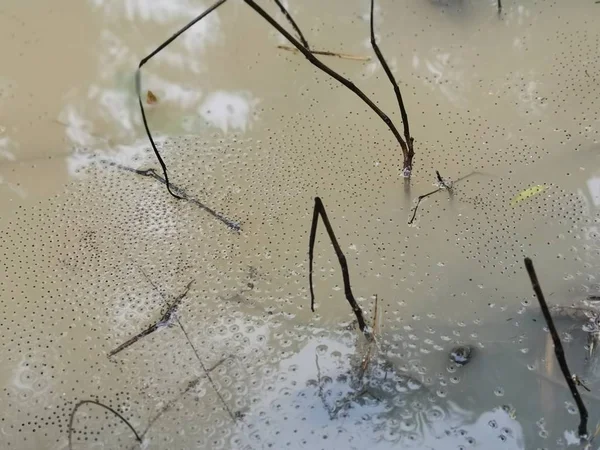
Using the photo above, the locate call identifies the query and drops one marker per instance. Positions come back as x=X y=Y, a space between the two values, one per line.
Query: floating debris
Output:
x=461 y=354
x=151 y=98
x=527 y=193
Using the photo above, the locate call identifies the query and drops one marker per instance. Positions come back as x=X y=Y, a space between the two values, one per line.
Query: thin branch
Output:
x=304 y=50
x=94 y=402
x=165 y=320
x=558 y=349
x=327 y=53
x=320 y=210
x=291 y=20
x=409 y=153
x=235 y=226
x=499 y=6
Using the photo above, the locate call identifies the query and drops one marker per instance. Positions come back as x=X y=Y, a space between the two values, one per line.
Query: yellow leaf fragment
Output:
x=151 y=98
x=527 y=193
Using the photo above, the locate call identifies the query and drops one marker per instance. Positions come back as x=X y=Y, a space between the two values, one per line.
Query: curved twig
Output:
x=94 y=402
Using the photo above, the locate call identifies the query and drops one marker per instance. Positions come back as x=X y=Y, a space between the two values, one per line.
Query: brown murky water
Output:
x=93 y=253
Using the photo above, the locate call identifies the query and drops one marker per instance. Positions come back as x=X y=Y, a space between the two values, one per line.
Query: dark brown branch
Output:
x=290 y=19
x=165 y=320
x=301 y=47
x=181 y=193
x=499 y=6
x=558 y=349
x=94 y=402
x=409 y=152
x=320 y=210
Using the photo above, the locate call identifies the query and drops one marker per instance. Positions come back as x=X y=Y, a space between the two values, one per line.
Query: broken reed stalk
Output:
x=319 y=210
x=407 y=146
x=301 y=48
x=558 y=349
x=94 y=402
x=367 y=359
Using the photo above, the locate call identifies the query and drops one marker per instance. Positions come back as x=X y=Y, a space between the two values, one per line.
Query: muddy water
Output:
x=94 y=253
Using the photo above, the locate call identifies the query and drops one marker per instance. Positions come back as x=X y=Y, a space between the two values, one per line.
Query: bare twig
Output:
x=165 y=320
x=319 y=209
x=327 y=53
x=151 y=173
x=301 y=47
x=558 y=349
x=421 y=197
x=407 y=148
x=499 y=6
x=444 y=185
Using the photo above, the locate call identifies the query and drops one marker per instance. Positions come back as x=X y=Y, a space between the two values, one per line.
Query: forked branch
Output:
x=302 y=48
x=319 y=210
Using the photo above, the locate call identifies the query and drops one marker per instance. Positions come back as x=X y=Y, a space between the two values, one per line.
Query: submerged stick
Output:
x=327 y=53
x=301 y=48
x=189 y=340
x=191 y=385
x=163 y=321
x=94 y=402
x=558 y=349
x=235 y=226
x=409 y=152
x=320 y=210
x=499 y=6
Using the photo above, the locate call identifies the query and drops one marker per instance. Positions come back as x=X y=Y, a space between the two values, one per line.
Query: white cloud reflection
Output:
x=226 y=110
x=175 y=13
